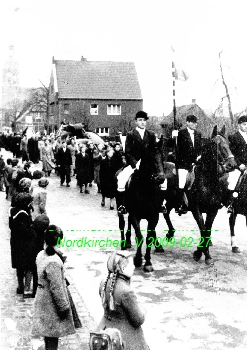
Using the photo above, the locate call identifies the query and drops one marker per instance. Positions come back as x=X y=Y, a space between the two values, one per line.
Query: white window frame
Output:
x=103 y=131
x=114 y=109
x=94 y=110
x=66 y=111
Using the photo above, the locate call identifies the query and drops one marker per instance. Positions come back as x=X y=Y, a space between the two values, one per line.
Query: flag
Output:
x=178 y=73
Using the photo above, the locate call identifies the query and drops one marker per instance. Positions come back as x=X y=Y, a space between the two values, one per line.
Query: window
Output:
x=114 y=109
x=66 y=108
x=102 y=131
x=93 y=109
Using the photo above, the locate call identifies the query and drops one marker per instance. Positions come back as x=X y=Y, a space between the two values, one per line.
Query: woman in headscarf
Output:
x=121 y=307
x=52 y=316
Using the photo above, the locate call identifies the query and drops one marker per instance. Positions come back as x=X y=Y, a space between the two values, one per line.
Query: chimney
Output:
x=193 y=100
x=83 y=58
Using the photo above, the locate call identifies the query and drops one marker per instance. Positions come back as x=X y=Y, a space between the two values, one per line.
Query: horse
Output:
x=142 y=201
x=207 y=193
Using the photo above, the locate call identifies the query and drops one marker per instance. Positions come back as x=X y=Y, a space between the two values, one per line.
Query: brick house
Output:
x=103 y=95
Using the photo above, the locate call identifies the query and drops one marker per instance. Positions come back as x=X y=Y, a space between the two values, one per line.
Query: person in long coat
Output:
x=90 y=151
x=64 y=161
x=47 y=157
x=21 y=241
x=40 y=198
x=7 y=175
x=32 y=149
x=107 y=178
x=52 y=317
x=121 y=307
x=82 y=166
x=98 y=155
x=73 y=150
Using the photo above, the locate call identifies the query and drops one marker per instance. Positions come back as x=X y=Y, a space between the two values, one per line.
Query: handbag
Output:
x=107 y=339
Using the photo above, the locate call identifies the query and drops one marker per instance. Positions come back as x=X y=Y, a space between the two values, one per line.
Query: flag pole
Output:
x=175 y=125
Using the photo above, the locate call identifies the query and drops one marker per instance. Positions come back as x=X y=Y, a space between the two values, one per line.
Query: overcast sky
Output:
x=137 y=31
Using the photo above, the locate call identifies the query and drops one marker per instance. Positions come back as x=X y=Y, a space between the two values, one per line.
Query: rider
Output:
x=238 y=146
x=138 y=142
x=188 y=152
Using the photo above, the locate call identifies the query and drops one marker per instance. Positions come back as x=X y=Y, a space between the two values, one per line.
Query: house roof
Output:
x=97 y=80
x=205 y=123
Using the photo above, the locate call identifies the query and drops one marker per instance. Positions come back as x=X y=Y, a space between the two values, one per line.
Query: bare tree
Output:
x=227 y=92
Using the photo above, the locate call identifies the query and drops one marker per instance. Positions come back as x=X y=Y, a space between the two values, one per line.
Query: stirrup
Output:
x=122 y=210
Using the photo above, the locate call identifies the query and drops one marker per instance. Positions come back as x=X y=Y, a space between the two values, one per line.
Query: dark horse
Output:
x=142 y=201
x=208 y=192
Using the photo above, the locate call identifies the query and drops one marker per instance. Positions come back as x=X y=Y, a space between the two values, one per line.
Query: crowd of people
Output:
x=35 y=253
x=67 y=157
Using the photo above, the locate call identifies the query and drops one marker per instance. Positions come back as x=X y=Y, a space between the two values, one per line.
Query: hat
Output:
x=242 y=119
x=141 y=114
x=25 y=183
x=114 y=259
x=43 y=182
x=37 y=174
x=191 y=118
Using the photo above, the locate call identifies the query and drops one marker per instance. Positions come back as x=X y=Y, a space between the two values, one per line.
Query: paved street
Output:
x=189 y=305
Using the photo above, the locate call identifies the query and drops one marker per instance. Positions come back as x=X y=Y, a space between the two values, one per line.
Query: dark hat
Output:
x=141 y=114
x=191 y=118
x=43 y=182
x=242 y=119
x=37 y=174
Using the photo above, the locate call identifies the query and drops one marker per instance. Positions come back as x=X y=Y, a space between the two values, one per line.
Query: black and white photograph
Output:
x=123 y=175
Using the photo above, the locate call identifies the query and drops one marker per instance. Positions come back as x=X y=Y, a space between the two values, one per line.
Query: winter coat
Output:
x=21 y=239
x=47 y=157
x=52 y=313
x=82 y=169
x=39 y=201
x=128 y=315
x=107 y=177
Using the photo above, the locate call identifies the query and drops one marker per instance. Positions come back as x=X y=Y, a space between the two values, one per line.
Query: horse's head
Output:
x=152 y=165
x=223 y=152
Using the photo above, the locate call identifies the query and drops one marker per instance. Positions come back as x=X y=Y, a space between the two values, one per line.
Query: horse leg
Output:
x=121 y=224
x=139 y=241
x=167 y=218
x=201 y=248
x=232 y=221
x=128 y=234
x=150 y=240
x=211 y=215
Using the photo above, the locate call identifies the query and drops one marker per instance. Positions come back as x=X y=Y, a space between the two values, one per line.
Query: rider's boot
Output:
x=231 y=196
x=121 y=203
